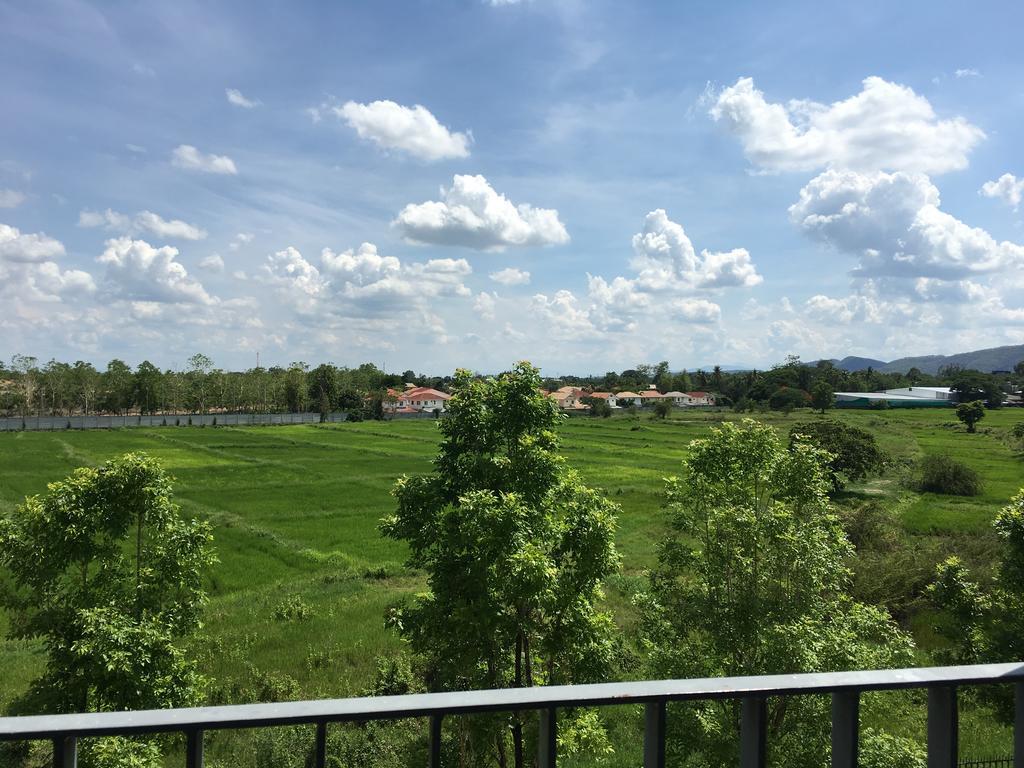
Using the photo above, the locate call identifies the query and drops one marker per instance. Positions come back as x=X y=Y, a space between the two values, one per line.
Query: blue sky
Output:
x=448 y=183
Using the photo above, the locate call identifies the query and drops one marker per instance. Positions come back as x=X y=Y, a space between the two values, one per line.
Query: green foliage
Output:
x=822 y=396
x=971 y=413
x=752 y=580
x=853 y=452
x=883 y=750
x=107 y=572
x=785 y=399
x=663 y=409
x=986 y=624
x=974 y=385
x=599 y=407
x=293 y=608
x=119 y=752
x=1018 y=430
x=515 y=549
x=943 y=474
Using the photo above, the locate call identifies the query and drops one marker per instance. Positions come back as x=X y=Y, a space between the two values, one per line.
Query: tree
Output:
x=108 y=573
x=752 y=580
x=116 y=384
x=663 y=408
x=984 y=624
x=148 y=387
x=822 y=396
x=972 y=385
x=1019 y=368
x=785 y=399
x=853 y=453
x=86 y=384
x=515 y=549
x=971 y=413
x=199 y=367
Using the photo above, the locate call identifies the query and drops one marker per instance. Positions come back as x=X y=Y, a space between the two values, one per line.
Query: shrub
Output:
x=662 y=409
x=879 y=405
x=941 y=474
x=785 y=399
x=971 y=413
x=293 y=609
x=1018 y=430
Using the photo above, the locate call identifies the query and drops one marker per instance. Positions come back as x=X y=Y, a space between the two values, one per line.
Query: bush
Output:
x=293 y=609
x=662 y=409
x=941 y=474
x=785 y=399
x=1018 y=430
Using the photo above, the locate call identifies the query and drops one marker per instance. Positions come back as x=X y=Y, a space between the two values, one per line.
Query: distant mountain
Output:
x=851 y=363
x=994 y=359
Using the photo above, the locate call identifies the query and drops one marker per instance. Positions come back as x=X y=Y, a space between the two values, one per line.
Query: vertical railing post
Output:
x=194 y=748
x=845 y=728
x=320 y=746
x=435 y=741
x=943 y=727
x=1018 y=725
x=547 y=738
x=65 y=752
x=753 y=732
x=654 y=734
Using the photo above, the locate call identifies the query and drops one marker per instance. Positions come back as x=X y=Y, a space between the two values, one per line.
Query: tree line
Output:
x=55 y=388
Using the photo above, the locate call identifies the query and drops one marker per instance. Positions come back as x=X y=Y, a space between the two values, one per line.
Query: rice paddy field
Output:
x=304 y=578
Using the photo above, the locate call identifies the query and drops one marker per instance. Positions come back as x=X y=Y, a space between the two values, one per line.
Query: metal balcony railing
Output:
x=845 y=688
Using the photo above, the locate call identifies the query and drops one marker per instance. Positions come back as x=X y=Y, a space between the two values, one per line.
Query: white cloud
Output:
x=188 y=157
x=361 y=282
x=242 y=238
x=511 y=276
x=144 y=221
x=135 y=148
x=886 y=126
x=697 y=310
x=25 y=248
x=235 y=97
x=138 y=271
x=472 y=214
x=1007 y=187
x=893 y=224
x=484 y=304
x=665 y=260
x=968 y=72
x=27 y=271
x=11 y=198
x=212 y=263
x=413 y=130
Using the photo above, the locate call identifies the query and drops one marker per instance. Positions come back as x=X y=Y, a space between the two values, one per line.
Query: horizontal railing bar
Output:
x=506 y=699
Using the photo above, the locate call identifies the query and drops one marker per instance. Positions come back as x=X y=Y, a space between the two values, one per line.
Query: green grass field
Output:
x=295 y=512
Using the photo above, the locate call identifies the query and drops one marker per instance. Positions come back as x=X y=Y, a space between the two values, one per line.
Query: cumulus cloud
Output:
x=697 y=310
x=665 y=260
x=11 y=198
x=413 y=130
x=138 y=271
x=669 y=276
x=188 y=157
x=235 y=97
x=886 y=126
x=144 y=221
x=34 y=247
x=28 y=272
x=893 y=224
x=363 y=282
x=471 y=214
x=242 y=238
x=484 y=304
x=1007 y=187
x=212 y=263
x=511 y=276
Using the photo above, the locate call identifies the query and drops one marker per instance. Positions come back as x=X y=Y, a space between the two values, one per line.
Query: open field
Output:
x=295 y=512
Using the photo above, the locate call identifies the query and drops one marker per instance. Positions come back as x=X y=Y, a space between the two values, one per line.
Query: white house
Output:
x=627 y=398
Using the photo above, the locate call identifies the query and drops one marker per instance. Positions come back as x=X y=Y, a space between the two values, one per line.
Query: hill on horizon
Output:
x=991 y=359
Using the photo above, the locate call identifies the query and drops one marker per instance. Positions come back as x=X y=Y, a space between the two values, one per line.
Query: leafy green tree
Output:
x=148 y=387
x=785 y=399
x=515 y=549
x=752 y=580
x=198 y=378
x=822 y=396
x=971 y=413
x=853 y=452
x=106 y=571
x=116 y=387
x=1019 y=368
x=663 y=409
x=974 y=385
x=86 y=384
x=599 y=406
x=985 y=623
